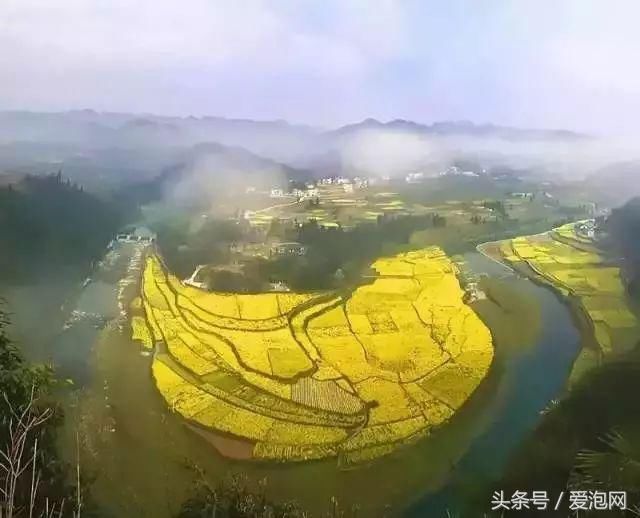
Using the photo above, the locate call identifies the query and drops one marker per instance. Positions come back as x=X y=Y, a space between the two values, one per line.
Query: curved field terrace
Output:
x=301 y=376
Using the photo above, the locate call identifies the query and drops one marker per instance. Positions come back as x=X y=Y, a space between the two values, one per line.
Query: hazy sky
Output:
x=535 y=63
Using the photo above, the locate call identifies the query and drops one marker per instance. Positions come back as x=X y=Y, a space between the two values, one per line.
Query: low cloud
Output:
x=393 y=153
x=216 y=181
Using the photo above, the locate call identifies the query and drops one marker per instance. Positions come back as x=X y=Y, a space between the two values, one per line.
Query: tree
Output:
x=235 y=499
x=49 y=226
x=588 y=440
x=276 y=229
x=623 y=227
x=615 y=466
x=496 y=206
x=33 y=480
x=439 y=221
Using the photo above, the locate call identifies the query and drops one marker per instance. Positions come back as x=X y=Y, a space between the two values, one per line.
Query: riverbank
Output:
x=531 y=377
x=584 y=280
x=145 y=460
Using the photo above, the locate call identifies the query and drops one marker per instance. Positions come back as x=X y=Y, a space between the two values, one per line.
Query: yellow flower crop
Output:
x=307 y=376
x=562 y=259
x=140 y=332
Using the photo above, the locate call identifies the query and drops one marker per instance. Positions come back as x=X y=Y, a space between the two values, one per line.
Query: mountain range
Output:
x=269 y=138
x=108 y=150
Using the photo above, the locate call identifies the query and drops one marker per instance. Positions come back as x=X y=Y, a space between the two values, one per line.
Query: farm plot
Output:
x=306 y=376
x=582 y=274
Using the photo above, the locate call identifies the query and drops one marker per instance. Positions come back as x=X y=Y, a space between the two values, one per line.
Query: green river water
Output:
x=143 y=460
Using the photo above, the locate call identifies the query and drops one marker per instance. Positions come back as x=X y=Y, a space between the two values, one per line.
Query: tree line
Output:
x=623 y=227
x=49 y=225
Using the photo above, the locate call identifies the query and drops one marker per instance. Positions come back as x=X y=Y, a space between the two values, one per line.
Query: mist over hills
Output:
x=93 y=130
x=459 y=128
x=105 y=129
x=210 y=171
x=616 y=182
x=108 y=150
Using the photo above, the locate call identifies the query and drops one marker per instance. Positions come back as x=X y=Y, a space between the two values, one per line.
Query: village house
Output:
x=586 y=228
x=360 y=183
x=139 y=235
x=288 y=249
x=414 y=177
x=279 y=286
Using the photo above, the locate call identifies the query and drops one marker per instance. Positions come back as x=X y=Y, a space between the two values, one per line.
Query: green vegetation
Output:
x=328 y=250
x=344 y=230
x=624 y=228
x=185 y=248
x=344 y=367
x=235 y=499
x=347 y=250
x=51 y=226
x=32 y=477
x=593 y=287
x=589 y=440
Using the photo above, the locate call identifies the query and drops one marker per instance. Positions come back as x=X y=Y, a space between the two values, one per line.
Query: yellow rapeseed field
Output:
x=312 y=375
x=140 y=332
x=562 y=259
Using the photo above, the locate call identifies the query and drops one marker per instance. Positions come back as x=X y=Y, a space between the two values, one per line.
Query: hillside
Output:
x=49 y=226
x=210 y=171
x=624 y=230
x=456 y=128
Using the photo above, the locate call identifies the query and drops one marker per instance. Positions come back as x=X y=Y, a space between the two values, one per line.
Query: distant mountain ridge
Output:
x=110 y=127
x=109 y=148
x=615 y=183
x=461 y=128
x=235 y=158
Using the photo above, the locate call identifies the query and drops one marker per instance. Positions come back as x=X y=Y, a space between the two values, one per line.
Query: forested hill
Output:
x=49 y=226
x=624 y=229
x=211 y=171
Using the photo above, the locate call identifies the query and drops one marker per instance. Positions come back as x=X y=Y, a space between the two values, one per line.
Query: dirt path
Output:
x=480 y=249
x=266 y=209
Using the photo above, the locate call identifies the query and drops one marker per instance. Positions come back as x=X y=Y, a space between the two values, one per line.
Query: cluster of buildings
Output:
x=530 y=195
x=587 y=228
x=420 y=176
x=292 y=248
x=348 y=184
x=311 y=190
x=138 y=235
x=414 y=177
x=295 y=193
x=456 y=171
x=241 y=250
x=334 y=180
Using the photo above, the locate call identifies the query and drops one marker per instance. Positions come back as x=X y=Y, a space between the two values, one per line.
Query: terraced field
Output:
x=580 y=273
x=302 y=376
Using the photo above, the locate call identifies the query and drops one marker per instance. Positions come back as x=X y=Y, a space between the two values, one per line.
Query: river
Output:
x=144 y=460
x=532 y=378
